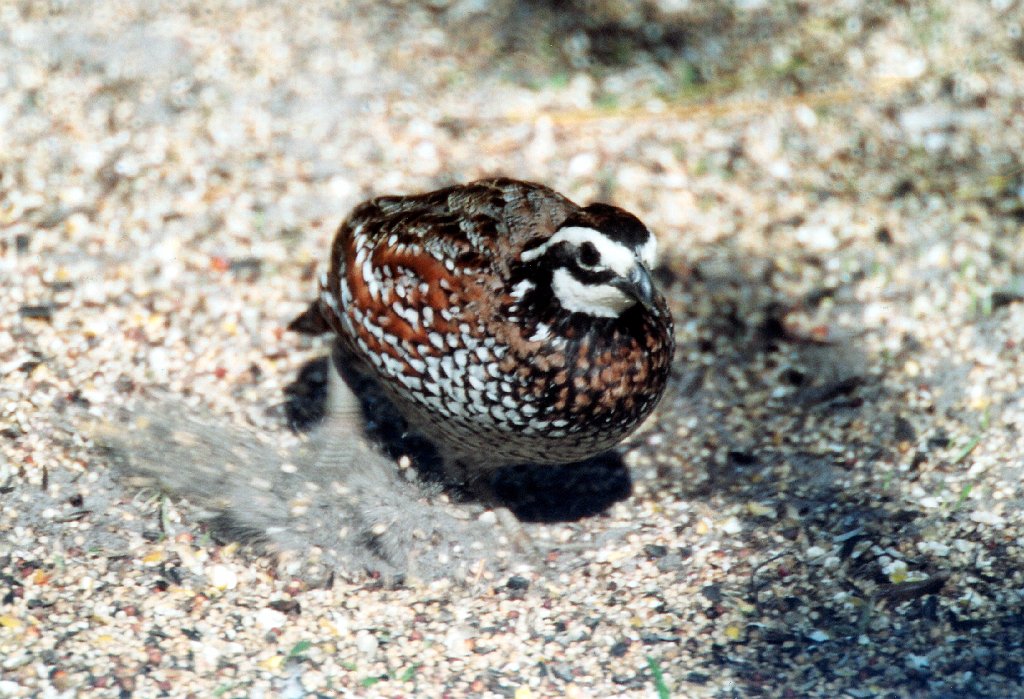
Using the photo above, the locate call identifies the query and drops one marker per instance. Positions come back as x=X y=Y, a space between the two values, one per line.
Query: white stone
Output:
x=366 y=643
x=268 y=619
x=222 y=577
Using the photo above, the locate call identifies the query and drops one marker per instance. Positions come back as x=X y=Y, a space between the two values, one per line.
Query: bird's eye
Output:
x=589 y=257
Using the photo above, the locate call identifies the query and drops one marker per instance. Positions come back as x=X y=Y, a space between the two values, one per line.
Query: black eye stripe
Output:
x=589 y=255
x=592 y=277
x=574 y=259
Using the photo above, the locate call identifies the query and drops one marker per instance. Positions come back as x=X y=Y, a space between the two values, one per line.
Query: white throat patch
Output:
x=601 y=300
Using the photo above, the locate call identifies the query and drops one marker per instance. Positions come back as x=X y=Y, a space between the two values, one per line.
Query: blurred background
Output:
x=257 y=119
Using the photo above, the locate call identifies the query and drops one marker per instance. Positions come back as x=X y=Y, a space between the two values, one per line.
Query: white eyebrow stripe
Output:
x=649 y=253
x=614 y=255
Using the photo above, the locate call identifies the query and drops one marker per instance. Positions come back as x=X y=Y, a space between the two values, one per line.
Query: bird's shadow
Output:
x=533 y=492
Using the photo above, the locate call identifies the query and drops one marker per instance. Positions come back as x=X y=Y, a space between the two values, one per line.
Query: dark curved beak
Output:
x=638 y=285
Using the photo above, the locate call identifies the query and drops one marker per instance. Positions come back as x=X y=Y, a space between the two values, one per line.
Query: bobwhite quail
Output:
x=506 y=323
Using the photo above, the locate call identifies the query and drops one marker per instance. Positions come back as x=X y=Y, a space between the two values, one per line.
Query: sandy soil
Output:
x=827 y=502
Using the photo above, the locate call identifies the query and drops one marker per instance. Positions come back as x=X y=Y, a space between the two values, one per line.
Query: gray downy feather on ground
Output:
x=332 y=503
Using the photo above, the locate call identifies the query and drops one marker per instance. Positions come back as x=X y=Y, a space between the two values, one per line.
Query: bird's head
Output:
x=598 y=262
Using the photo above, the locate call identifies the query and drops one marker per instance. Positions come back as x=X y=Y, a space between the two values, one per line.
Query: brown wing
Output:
x=494 y=218
x=407 y=272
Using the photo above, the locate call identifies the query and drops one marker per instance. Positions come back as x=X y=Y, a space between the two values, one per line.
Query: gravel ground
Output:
x=828 y=501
